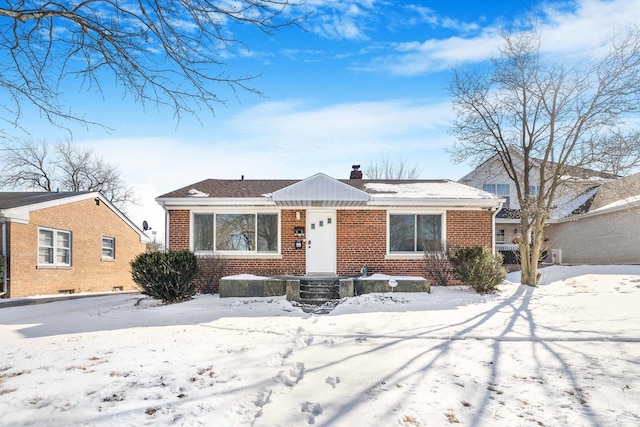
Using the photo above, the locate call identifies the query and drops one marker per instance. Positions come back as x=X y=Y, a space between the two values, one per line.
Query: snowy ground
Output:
x=566 y=353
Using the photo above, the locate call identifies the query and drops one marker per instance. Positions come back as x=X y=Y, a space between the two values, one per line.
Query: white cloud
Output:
x=568 y=31
x=288 y=140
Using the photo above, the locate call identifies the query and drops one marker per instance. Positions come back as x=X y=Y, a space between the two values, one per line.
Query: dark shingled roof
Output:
x=10 y=200
x=230 y=188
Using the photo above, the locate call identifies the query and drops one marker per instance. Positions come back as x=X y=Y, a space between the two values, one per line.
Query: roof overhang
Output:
x=190 y=202
x=21 y=215
x=449 y=203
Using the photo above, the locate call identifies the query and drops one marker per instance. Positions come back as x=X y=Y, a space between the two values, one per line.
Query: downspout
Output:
x=167 y=219
x=493 y=228
x=4 y=254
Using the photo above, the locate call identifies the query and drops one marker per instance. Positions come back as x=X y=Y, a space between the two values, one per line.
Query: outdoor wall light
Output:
x=297 y=215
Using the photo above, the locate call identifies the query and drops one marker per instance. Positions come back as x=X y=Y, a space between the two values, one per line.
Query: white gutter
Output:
x=447 y=203
x=207 y=201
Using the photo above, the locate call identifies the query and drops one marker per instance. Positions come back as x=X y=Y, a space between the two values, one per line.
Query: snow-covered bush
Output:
x=478 y=268
x=167 y=276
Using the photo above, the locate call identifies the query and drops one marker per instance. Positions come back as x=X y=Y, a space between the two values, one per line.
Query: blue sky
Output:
x=366 y=81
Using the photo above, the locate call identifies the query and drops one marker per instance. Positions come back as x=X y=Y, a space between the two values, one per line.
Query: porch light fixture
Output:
x=297 y=215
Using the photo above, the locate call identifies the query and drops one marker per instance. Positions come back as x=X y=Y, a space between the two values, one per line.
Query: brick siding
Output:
x=613 y=238
x=360 y=239
x=88 y=223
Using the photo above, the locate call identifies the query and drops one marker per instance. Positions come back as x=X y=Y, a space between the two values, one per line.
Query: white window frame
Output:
x=493 y=189
x=235 y=254
x=112 y=248
x=414 y=254
x=501 y=236
x=55 y=248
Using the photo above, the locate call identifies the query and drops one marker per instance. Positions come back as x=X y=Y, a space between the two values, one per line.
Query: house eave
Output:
x=602 y=211
x=456 y=203
x=184 y=202
x=375 y=202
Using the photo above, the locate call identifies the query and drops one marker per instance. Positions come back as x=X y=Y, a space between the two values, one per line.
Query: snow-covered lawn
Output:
x=566 y=353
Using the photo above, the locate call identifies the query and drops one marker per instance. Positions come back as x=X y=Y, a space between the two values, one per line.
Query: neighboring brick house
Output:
x=606 y=230
x=324 y=226
x=64 y=243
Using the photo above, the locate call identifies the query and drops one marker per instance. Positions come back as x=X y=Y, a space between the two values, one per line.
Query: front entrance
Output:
x=321 y=242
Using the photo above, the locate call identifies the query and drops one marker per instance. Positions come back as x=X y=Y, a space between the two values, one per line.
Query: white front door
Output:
x=321 y=242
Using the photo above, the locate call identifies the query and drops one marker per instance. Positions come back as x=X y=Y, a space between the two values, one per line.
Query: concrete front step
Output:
x=319 y=291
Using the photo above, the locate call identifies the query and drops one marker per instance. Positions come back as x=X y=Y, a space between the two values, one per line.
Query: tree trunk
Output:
x=528 y=266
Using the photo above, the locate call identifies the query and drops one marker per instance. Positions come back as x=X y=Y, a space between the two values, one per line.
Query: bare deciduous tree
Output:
x=390 y=169
x=69 y=168
x=167 y=52
x=543 y=119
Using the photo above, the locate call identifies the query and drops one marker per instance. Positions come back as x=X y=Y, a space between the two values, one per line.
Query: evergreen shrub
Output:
x=478 y=268
x=167 y=276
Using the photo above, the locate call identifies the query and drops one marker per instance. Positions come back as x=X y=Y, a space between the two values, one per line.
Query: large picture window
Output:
x=54 y=247
x=236 y=232
x=414 y=232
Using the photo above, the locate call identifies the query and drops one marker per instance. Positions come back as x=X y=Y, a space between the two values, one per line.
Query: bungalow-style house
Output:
x=325 y=226
x=65 y=243
x=595 y=218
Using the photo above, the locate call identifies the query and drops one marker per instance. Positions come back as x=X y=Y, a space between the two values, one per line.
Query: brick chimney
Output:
x=356 y=173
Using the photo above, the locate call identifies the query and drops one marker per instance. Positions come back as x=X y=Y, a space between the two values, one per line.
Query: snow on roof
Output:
x=197 y=193
x=446 y=189
x=567 y=204
x=618 y=203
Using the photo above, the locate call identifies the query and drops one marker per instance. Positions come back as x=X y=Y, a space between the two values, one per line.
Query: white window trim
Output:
x=108 y=258
x=234 y=254
x=55 y=248
x=413 y=255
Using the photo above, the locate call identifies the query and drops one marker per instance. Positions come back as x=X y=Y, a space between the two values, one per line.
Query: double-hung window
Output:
x=54 y=247
x=108 y=248
x=412 y=233
x=236 y=232
x=501 y=190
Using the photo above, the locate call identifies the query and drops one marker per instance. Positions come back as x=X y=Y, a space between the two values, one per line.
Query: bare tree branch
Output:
x=161 y=52
x=31 y=166
x=390 y=169
x=546 y=122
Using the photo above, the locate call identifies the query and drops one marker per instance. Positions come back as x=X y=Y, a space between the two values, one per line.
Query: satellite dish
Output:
x=145 y=226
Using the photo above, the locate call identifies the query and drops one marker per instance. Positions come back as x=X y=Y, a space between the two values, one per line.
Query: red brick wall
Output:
x=88 y=223
x=179 y=230
x=361 y=239
x=470 y=228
